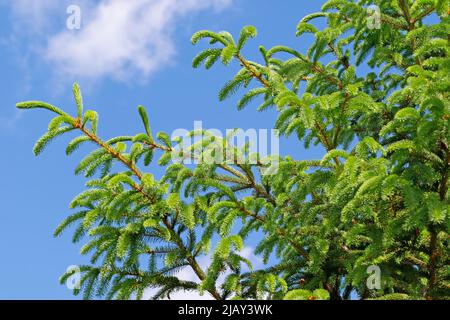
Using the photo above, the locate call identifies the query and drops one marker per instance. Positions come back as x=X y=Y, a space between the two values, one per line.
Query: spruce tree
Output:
x=378 y=197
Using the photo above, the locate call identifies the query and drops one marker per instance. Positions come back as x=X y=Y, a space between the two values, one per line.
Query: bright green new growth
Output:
x=378 y=197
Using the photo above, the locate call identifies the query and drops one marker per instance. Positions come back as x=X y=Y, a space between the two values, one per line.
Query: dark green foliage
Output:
x=378 y=197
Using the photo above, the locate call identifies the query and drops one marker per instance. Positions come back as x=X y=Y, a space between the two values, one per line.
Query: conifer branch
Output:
x=253 y=71
x=110 y=150
x=386 y=203
x=191 y=259
x=322 y=135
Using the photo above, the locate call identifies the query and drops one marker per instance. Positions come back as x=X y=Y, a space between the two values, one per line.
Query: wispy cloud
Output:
x=9 y=123
x=32 y=16
x=121 y=39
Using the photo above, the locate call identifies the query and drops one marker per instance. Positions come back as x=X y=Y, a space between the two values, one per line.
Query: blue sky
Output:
x=123 y=55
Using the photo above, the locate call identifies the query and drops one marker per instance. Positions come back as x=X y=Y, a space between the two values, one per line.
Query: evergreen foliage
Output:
x=379 y=196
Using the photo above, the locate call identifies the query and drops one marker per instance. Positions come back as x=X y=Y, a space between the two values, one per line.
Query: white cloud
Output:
x=123 y=38
x=249 y=253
